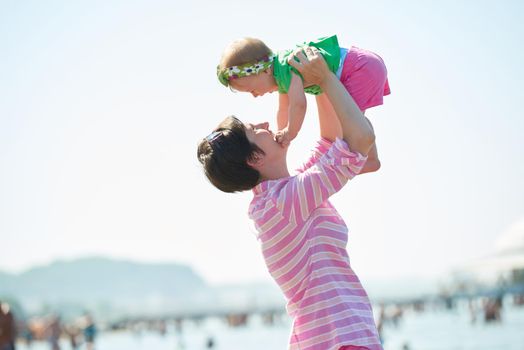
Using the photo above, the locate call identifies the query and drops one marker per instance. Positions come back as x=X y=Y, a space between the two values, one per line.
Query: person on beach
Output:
x=302 y=236
x=248 y=65
x=89 y=330
x=54 y=331
x=8 y=331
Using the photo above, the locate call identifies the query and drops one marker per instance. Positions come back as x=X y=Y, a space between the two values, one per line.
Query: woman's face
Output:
x=264 y=138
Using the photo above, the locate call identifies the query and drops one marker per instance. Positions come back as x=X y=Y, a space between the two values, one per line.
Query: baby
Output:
x=248 y=65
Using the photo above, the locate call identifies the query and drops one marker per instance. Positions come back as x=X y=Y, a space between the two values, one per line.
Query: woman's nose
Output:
x=264 y=125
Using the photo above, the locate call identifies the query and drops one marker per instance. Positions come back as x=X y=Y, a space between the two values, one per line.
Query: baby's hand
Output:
x=283 y=137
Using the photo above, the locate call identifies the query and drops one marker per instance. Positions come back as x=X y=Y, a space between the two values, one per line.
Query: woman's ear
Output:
x=256 y=161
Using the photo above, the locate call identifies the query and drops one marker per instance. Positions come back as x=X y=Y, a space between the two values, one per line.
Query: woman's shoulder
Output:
x=268 y=195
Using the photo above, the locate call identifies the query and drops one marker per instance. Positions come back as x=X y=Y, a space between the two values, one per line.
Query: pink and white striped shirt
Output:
x=304 y=240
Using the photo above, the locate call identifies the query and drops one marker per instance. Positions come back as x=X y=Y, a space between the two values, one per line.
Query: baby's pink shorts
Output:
x=365 y=76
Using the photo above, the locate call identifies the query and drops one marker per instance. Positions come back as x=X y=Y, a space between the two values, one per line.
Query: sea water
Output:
x=429 y=330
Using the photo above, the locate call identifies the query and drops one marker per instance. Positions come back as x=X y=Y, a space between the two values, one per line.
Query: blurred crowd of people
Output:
x=81 y=332
x=50 y=328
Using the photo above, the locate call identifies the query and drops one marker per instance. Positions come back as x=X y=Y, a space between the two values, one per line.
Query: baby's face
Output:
x=256 y=85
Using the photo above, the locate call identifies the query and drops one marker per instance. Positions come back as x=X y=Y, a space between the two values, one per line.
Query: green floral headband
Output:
x=225 y=75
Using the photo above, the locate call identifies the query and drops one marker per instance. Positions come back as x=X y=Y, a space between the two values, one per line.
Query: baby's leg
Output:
x=373 y=163
x=365 y=77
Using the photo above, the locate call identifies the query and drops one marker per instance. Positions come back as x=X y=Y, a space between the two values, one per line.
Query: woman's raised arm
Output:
x=328 y=121
x=356 y=131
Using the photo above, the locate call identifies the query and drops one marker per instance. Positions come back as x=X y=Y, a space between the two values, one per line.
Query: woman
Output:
x=303 y=238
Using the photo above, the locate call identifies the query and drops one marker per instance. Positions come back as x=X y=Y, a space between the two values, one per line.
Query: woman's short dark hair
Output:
x=225 y=154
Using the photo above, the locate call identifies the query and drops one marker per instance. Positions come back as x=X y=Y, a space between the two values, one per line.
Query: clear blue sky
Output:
x=102 y=104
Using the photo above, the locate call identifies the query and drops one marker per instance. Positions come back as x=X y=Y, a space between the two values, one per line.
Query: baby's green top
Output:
x=327 y=46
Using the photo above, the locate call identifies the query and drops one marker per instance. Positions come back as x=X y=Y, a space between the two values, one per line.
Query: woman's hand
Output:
x=313 y=67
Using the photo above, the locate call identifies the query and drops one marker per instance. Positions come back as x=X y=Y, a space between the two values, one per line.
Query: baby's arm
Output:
x=297 y=105
x=283 y=110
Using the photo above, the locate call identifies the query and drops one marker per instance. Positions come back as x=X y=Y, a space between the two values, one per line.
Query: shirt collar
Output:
x=261 y=187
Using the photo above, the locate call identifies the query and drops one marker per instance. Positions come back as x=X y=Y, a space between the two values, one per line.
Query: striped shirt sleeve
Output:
x=320 y=149
x=309 y=189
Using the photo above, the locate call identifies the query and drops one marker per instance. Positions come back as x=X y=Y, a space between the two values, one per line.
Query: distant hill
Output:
x=111 y=288
x=92 y=281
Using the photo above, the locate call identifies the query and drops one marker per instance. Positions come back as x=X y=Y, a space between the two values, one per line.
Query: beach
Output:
x=428 y=329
